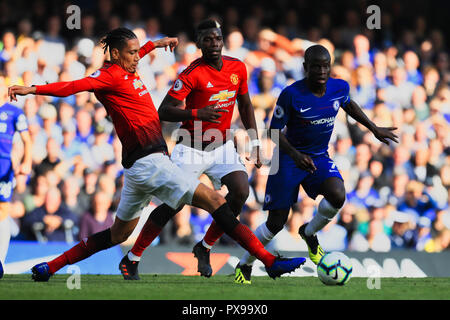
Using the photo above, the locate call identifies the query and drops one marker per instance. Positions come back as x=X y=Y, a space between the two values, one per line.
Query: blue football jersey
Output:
x=12 y=119
x=309 y=120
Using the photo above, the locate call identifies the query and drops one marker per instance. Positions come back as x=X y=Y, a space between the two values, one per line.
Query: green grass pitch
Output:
x=219 y=287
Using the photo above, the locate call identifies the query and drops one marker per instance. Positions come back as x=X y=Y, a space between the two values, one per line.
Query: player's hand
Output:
x=210 y=113
x=385 y=134
x=19 y=90
x=166 y=42
x=255 y=157
x=304 y=162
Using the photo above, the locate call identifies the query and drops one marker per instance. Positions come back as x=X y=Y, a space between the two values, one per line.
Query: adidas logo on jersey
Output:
x=209 y=85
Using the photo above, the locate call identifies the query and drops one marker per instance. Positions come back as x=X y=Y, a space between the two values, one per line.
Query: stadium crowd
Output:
x=397 y=196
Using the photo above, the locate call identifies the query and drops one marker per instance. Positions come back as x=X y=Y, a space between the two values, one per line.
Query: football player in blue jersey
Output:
x=307 y=109
x=12 y=120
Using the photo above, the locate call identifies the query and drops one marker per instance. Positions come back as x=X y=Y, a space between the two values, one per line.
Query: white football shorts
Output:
x=154 y=175
x=215 y=164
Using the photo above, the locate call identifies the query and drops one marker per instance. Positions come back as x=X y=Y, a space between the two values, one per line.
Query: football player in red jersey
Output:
x=210 y=85
x=148 y=170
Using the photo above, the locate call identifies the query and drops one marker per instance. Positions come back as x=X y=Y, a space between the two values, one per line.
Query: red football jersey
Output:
x=127 y=101
x=202 y=85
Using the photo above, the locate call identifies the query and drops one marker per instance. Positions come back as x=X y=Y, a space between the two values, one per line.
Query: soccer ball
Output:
x=335 y=268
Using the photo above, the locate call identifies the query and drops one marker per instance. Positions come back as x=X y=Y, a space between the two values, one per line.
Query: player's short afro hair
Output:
x=315 y=50
x=207 y=24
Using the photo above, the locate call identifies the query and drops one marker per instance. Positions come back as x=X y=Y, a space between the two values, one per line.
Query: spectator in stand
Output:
x=419 y=103
x=423 y=233
x=50 y=127
x=98 y=218
x=85 y=129
x=70 y=192
x=234 y=45
x=400 y=92
x=376 y=239
x=439 y=243
x=411 y=61
x=364 y=92
x=9 y=47
x=38 y=190
x=403 y=226
x=50 y=222
x=379 y=212
x=347 y=219
x=53 y=158
x=381 y=71
x=364 y=194
x=268 y=42
x=87 y=190
x=101 y=150
x=361 y=45
x=264 y=97
x=45 y=73
x=402 y=159
x=381 y=179
x=417 y=202
x=53 y=44
x=424 y=172
x=73 y=151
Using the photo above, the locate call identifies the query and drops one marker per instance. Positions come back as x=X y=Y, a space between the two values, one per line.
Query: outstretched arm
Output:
x=381 y=133
x=99 y=80
x=161 y=43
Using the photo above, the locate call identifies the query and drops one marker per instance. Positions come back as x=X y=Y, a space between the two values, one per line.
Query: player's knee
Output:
x=239 y=196
x=338 y=200
x=276 y=221
x=336 y=196
x=216 y=200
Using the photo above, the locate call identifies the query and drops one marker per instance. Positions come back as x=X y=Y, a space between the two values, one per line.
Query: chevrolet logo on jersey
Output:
x=137 y=84
x=222 y=96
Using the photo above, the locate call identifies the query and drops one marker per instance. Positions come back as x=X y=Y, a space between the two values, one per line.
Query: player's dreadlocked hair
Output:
x=117 y=38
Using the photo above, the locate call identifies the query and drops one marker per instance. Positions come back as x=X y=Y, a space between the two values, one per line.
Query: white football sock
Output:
x=325 y=213
x=265 y=236
x=207 y=246
x=133 y=257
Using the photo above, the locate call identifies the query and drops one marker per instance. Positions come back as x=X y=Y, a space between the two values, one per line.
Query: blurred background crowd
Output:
x=397 y=195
